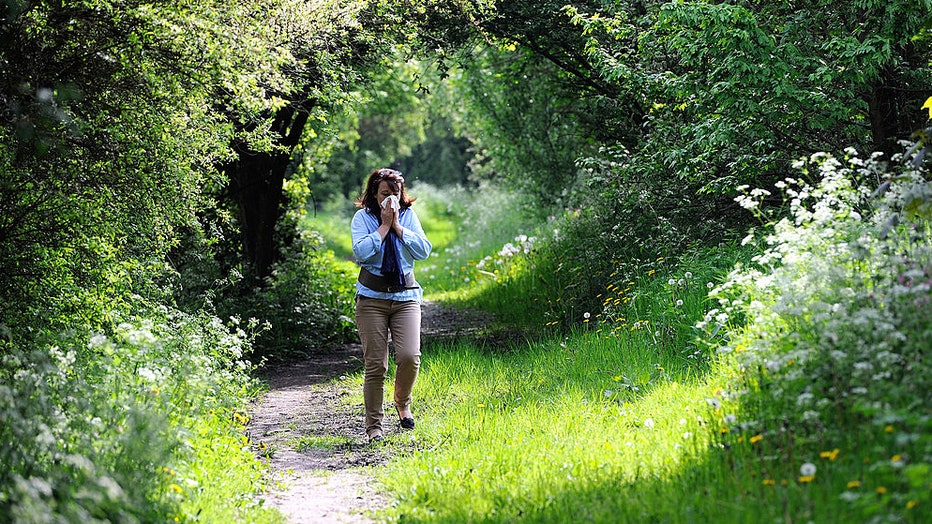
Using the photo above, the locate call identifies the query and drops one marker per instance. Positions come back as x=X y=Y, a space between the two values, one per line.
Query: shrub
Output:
x=831 y=325
x=95 y=425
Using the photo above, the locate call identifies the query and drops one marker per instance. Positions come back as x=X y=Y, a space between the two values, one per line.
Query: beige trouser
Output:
x=375 y=319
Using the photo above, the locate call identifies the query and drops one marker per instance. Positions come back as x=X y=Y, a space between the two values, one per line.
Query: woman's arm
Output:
x=413 y=238
x=367 y=238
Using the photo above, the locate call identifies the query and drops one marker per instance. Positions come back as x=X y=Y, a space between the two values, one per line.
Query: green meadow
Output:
x=692 y=395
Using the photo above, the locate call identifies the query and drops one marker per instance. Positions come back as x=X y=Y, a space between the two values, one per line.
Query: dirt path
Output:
x=313 y=435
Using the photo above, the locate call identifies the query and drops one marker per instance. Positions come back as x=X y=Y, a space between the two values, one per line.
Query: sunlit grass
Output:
x=507 y=435
x=617 y=408
x=582 y=427
x=224 y=478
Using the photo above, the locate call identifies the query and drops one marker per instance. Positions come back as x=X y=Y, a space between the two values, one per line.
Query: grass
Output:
x=508 y=434
x=327 y=442
x=225 y=479
x=607 y=430
x=630 y=416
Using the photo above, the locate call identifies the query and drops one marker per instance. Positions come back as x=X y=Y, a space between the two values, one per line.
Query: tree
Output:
x=113 y=118
x=739 y=90
x=329 y=47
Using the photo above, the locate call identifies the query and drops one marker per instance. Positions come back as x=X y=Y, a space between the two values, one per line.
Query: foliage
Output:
x=120 y=383
x=738 y=90
x=307 y=302
x=110 y=132
x=401 y=119
x=98 y=424
x=833 y=331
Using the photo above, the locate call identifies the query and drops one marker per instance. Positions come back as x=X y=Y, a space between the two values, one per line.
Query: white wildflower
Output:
x=807 y=470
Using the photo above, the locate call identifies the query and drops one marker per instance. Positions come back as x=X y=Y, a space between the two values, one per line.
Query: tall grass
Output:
x=796 y=393
x=509 y=434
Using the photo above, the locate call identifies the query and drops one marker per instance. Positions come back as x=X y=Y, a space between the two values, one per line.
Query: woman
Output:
x=387 y=239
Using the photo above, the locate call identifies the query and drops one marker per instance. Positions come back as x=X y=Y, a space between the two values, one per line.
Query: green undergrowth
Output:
x=141 y=420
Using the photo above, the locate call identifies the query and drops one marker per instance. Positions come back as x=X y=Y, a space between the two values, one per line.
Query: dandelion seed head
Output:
x=808 y=469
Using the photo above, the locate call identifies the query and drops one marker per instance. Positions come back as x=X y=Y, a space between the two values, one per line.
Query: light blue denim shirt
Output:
x=368 y=250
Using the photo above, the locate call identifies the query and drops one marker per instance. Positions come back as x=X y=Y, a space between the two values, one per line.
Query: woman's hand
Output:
x=389 y=217
x=390 y=222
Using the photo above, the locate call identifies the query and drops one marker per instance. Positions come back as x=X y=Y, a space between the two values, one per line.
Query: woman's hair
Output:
x=369 y=199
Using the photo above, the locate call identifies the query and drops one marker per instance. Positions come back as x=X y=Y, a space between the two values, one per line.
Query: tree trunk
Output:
x=256 y=182
x=884 y=118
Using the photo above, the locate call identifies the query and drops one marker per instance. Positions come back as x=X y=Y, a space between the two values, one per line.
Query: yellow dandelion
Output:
x=854 y=484
x=896 y=458
x=723 y=431
x=480 y=405
x=805 y=479
x=881 y=490
x=651 y=272
x=912 y=504
x=756 y=438
x=888 y=428
x=175 y=487
x=831 y=455
x=784 y=482
x=769 y=482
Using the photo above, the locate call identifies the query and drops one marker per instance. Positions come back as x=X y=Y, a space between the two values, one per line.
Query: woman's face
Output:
x=384 y=191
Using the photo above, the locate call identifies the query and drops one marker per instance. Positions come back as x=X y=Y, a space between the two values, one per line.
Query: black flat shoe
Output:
x=406 y=422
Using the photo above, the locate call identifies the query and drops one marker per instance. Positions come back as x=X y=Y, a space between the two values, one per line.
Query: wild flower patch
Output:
x=830 y=328
x=113 y=425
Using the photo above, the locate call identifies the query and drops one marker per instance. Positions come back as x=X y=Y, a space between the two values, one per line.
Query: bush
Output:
x=96 y=426
x=831 y=326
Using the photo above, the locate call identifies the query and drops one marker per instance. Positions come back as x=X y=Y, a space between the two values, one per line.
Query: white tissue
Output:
x=391 y=200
